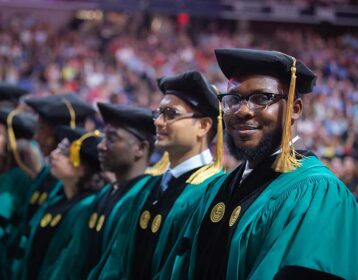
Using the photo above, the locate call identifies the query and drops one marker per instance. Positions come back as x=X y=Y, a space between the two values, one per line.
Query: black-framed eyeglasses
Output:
x=171 y=114
x=256 y=102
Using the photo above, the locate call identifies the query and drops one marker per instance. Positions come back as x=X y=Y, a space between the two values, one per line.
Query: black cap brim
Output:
x=136 y=120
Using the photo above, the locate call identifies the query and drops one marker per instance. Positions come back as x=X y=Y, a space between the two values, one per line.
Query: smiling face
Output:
x=182 y=134
x=254 y=135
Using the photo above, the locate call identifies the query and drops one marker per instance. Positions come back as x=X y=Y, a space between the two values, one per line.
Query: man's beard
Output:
x=266 y=147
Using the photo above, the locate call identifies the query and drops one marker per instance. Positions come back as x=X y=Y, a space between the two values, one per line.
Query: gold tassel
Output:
x=76 y=146
x=72 y=113
x=75 y=153
x=160 y=167
x=220 y=140
x=13 y=145
x=287 y=161
x=211 y=169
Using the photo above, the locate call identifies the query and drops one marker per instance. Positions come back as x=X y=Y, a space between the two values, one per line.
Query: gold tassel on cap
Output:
x=211 y=169
x=76 y=147
x=13 y=145
x=160 y=167
x=72 y=113
x=287 y=161
x=220 y=140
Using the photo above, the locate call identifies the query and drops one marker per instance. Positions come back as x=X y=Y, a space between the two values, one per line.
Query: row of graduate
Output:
x=183 y=218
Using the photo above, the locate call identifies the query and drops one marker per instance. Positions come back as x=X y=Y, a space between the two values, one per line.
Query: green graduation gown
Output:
x=34 y=200
x=91 y=238
x=181 y=257
x=175 y=226
x=113 y=263
x=151 y=247
x=57 y=263
x=14 y=186
x=49 y=231
x=43 y=191
x=68 y=262
x=305 y=218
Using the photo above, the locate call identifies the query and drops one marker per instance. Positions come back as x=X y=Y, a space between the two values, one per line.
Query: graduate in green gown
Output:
x=186 y=123
x=19 y=164
x=125 y=151
x=75 y=163
x=281 y=214
x=52 y=111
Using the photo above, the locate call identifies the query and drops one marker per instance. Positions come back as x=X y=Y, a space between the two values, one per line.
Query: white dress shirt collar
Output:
x=196 y=161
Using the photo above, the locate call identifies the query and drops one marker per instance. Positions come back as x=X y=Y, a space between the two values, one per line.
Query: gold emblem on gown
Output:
x=144 y=219
x=100 y=222
x=56 y=220
x=217 y=213
x=42 y=198
x=93 y=220
x=234 y=215
x=34 y=197
x=156 y=223
x=46 y=219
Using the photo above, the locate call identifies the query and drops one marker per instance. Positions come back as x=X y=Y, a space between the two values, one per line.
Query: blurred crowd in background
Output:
x=295 y=2
x=119 y=58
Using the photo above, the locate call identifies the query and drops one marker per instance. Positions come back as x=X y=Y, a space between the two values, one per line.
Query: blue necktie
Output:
x=164 y=184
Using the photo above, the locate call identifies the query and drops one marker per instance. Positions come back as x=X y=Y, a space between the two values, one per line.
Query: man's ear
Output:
x=297 y=109
x=204 y=126
x=141 y=150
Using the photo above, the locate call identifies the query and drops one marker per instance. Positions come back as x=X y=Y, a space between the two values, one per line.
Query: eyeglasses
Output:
x=256 y=102
x=64 y=147
x=171 y=114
